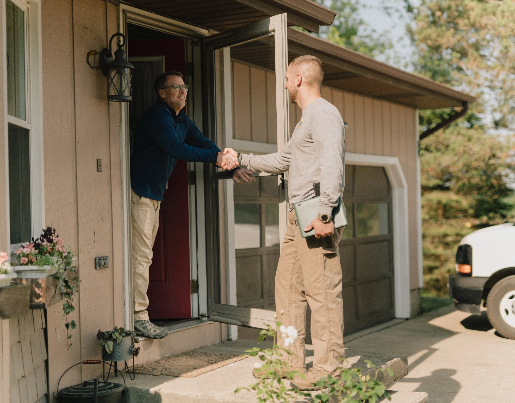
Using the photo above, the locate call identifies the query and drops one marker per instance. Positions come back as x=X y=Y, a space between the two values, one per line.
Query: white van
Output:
x=485 y=271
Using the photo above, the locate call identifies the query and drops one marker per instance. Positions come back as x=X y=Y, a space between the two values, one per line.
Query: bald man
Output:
x=309 y=270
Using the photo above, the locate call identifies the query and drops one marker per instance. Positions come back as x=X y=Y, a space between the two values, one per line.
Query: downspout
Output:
x=446 y=122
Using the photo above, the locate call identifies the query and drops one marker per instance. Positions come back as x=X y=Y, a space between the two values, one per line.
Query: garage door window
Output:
x=372 y=219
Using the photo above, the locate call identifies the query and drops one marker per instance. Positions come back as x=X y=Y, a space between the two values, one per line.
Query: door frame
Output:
x=132 y=15
x=218 y=311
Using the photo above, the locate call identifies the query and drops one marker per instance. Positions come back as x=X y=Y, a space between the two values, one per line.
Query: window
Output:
x=23 y=126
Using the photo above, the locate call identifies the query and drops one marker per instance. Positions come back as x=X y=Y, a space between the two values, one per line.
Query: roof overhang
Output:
x=224 y=15
x=354 y=72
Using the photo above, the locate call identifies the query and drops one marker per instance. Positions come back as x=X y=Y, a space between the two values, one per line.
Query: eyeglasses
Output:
x=177 y=87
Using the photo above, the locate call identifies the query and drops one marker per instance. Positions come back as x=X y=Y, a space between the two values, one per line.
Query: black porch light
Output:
x=118 y=71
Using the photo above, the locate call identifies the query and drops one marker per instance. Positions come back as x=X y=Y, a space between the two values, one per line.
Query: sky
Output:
x=393 y=25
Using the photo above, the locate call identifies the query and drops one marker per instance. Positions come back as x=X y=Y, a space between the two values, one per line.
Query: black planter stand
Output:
x=122 y=351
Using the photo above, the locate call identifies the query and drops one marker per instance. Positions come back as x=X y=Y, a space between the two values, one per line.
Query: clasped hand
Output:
x=227 y=160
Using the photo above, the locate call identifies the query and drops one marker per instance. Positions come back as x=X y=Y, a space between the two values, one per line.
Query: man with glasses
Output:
x=164 y=135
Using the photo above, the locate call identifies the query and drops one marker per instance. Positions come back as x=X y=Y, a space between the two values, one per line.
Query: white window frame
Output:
x=34 y=115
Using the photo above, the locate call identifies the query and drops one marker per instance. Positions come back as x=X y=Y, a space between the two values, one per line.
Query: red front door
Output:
x=169 y=288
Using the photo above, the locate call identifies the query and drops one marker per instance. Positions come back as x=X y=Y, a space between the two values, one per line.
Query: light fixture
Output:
x=117 y=70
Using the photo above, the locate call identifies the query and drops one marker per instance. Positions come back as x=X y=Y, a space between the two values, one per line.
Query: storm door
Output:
x=247 y=110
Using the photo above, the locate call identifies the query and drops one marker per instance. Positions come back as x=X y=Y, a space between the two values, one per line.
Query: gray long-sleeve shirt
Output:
x=315 y=153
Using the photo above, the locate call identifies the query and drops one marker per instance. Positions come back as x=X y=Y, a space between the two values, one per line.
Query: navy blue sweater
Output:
x=163 y=137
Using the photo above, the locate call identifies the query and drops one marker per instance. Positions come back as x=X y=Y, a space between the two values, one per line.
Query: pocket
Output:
x=135 y=198
x=330 y=243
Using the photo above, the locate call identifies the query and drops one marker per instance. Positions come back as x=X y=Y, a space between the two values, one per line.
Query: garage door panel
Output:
x=349 y=304
x=371 y=183
x=347 y=262
x=349 y=182
x=374 y=298
x=270 y=261
x=373 y=260
x=249 y=279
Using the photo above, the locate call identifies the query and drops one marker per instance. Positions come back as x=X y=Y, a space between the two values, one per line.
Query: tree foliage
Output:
x=351 y=31
x=467 y=169
x=468 y=44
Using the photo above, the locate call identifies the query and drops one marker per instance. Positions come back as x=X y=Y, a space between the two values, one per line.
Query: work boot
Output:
x=308 y=382
x=282 y=373
x=145 y=328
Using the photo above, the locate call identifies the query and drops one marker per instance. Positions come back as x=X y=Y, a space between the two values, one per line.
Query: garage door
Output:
x=366 y=249
x=366 y=246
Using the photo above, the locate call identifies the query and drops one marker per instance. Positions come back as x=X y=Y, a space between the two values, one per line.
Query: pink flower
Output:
x=24 y=260
x=32 y=259
x=3 y=257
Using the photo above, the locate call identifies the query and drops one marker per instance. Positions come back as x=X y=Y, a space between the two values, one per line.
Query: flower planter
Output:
x=43 y=285
x=122 y=351
x=14 y=300
x=5 y=279
x=34 y=271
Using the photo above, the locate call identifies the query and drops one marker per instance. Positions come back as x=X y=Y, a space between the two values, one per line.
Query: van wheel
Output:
x=501 y=307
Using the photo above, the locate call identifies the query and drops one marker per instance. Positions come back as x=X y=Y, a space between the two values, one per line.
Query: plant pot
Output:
x=121 y=351
x=5 y=279
x=43 y=291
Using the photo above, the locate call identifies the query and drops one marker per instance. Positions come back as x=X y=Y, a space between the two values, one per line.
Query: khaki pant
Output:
x=145 y=222
x=309 y=272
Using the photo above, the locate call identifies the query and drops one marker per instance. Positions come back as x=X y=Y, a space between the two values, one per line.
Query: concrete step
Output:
x=219 y=385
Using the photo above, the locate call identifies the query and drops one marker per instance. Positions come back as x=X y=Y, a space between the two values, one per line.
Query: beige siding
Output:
x=374 y=127
x=80 y=126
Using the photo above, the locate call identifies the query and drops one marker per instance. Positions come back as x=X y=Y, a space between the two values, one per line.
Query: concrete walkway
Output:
x=452 y=356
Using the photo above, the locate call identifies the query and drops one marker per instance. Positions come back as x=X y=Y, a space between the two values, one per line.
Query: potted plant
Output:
x=6 y=271
x=49 y=255
x=118 y=344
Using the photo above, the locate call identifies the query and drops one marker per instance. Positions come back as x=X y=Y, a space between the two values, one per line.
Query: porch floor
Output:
x=219 y=385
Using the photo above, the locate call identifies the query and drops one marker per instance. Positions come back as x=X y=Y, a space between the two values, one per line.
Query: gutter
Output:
x=446 y=122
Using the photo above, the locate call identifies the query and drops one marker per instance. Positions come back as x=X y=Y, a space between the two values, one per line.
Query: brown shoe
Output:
x=308 y=382
x=282 y=373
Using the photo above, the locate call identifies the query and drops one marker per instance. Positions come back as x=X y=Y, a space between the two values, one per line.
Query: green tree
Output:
x=468 y=168
x=351 y=31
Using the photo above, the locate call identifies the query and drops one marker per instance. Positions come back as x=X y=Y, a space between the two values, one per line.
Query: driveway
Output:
x=452 y=356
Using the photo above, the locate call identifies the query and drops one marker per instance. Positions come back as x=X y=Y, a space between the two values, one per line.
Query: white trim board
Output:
x=399 y=187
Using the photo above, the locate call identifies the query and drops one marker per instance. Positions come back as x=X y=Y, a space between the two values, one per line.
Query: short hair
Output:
x=163 y=78
x=310 y=68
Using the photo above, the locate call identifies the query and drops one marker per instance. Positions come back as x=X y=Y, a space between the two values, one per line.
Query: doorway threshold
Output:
x=174 y=325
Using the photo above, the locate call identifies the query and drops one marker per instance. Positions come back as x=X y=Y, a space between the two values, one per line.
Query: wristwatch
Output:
x=239 y=158
x=325 y=218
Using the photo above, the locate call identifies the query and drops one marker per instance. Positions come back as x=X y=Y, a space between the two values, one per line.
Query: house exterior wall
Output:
x=375 y=127
x=84 y=205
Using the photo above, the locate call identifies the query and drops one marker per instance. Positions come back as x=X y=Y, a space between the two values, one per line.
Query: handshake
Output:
x=228 y=159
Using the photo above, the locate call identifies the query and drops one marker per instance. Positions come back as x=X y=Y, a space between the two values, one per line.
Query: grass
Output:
x=429 y=302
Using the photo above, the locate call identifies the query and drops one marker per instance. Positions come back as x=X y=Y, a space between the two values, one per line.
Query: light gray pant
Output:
x=309 y=272
x=145 y=223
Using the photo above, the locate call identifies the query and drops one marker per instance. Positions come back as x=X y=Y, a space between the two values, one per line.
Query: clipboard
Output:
x=307 y=210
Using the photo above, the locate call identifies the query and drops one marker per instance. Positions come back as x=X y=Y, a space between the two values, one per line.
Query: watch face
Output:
x=324 y=218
